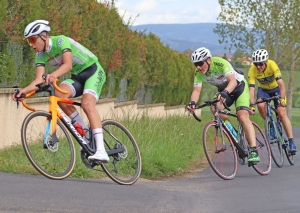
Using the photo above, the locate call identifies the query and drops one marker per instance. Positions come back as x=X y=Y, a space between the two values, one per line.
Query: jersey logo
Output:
x=40 y=54
x=60 y=41
x=219 y=64
x=266 y=80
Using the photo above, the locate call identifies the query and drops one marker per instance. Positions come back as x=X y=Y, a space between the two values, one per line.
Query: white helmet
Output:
x=200 y=54
x=260 y=56
x=36 y=27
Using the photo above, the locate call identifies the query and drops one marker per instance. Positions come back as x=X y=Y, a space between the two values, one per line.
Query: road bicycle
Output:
x=275 y=133
x=223 y=150
x=50 y=149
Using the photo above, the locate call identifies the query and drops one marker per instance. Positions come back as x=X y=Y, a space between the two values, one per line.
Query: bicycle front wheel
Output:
x=123 y=167
x=275 y=144
x=220 y=154
x=264 y=152
x=284 y=140
x=53 y=157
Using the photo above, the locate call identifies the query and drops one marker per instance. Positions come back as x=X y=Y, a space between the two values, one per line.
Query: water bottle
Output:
x=78 y=128
x=231 y=129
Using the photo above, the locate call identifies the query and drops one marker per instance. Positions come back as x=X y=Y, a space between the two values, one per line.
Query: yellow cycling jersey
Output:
x=266 y=79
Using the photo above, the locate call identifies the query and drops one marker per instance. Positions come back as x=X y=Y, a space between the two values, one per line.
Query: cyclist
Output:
x=87 y=76
x=270 y=83
x=232 y=87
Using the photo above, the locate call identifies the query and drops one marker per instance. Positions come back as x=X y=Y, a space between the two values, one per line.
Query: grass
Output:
x=168 y=146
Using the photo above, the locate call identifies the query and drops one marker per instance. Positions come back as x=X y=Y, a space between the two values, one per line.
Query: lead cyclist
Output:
x=232 y=86
x=87 y=76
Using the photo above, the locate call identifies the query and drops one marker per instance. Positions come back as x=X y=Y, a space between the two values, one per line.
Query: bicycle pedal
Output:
x=251 y=164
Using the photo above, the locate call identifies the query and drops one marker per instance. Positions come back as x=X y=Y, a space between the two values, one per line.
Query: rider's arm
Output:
x=232 y=83
x=282 y=88
x=252 y=97
x=40 y=70
x=197 y=86
x=66 y=66
x=277 y=75
x=195 y=94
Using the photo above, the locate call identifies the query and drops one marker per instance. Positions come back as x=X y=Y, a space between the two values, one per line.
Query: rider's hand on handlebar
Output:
x=223 y=95
x=252 y=110
x=283 y=101
x=18 y=95
x=191 y=106
x=50 y=78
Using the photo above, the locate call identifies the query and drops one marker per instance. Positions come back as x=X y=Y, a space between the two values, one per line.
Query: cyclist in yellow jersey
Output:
x=270 y=83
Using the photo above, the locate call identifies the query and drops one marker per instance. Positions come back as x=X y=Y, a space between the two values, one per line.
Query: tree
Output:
x=275 y=28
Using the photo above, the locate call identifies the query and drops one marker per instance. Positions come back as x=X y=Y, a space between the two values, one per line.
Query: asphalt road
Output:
x=204 y=192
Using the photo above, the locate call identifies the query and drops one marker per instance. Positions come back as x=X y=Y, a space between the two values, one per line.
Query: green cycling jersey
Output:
x=82 y=58
x=219 y=70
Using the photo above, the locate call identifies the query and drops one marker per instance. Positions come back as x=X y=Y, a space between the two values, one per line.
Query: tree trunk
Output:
x=290 y=91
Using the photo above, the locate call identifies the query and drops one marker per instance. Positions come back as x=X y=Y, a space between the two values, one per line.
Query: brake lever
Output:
x=17 y=98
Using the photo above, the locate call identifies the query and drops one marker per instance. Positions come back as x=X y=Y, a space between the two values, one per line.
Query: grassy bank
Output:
x=168 y=146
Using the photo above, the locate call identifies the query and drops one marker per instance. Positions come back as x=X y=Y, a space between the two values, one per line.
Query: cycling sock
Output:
x=76 y=116
x=98 y=135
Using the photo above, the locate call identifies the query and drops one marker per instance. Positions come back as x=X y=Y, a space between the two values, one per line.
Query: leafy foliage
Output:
x=140 y=60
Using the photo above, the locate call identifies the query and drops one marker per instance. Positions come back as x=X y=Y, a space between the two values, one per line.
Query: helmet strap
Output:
x=208 y=67
x=265 y=67
x=43 y=41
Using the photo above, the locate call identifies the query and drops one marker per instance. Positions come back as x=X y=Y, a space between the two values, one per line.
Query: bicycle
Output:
x=223 y=150
x=278 y=139
x=50 y=149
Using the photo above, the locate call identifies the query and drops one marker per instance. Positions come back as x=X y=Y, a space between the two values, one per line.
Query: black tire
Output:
x=275 y=144
x=55 y=160
x=123 y=168
x=283 y=140
x=264 y=152
x=243 y=144
x=223 y=162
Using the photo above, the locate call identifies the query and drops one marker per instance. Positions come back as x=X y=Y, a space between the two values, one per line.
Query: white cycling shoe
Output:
x=99 y=156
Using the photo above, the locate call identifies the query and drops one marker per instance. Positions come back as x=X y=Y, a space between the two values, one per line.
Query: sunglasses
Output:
x=259 y=64
x=32 y=40
x=200 y=64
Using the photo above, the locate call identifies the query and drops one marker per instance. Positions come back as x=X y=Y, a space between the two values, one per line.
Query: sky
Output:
x=168 y=11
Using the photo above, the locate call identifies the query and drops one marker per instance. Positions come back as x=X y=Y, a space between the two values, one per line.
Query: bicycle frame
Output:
x=270 y=114
x=56 y=112
x=221 y=124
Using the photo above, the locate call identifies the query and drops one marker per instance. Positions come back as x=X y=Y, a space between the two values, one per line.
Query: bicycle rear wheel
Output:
x=53 y=157
x=125 y=167
x=222 y=157
x=243 y=144
x=264 y=152
x=275 y=143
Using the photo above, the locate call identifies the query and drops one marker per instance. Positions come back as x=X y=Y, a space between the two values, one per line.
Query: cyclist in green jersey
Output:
x=87 y=77
x=232 y=86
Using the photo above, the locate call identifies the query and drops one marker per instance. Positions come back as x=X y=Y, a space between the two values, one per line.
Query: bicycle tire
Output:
x=264 y=152
x=283 y=140
x=243 y=144
x=223 y=163
x=275 y=144
x=55 y=160
x=123 y=168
